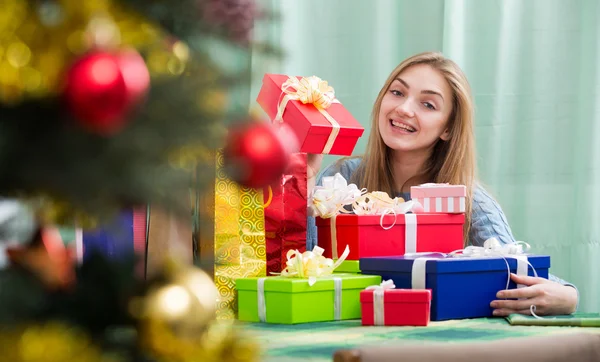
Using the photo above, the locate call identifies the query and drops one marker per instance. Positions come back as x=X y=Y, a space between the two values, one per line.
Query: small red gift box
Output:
x=322 y=125
x=440 y=197
x=371 y=235
x=395 y=307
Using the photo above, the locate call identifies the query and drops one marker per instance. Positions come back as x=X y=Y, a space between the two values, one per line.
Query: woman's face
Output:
x=415 y=110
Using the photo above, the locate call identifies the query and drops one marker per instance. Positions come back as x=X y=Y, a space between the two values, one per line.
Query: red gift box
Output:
x=285 y=214
x=396 y=307
x=311 y=123
x=371 y=235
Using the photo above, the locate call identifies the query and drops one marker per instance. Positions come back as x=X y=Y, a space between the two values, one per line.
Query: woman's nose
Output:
x=406 y=108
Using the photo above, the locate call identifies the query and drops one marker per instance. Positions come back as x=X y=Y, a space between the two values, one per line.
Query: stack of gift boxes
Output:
x=384 y=260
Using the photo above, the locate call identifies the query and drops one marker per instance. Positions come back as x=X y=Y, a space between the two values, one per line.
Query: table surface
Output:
x=318 y=341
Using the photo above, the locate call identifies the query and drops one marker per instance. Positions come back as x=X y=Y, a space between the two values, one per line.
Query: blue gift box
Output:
x=120 y=237
x=461 y=287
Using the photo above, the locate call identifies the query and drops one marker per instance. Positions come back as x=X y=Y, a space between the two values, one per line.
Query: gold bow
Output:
x=378 y=202
x=311 y=90
x=311 y=264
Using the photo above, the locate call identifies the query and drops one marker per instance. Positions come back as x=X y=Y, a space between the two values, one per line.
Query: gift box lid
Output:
x=348 y=266
x=422 y=219
x=298 y=285
x=350 y=126
x=399 y=296
x=403 y=264
x=438 y=190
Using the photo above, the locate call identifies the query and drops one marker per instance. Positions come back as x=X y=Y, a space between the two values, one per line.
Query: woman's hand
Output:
x=548 y=297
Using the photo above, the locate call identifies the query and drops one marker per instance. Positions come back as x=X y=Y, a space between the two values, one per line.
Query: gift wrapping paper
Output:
x=240 y=249
x=285 y=214
x=225 y=276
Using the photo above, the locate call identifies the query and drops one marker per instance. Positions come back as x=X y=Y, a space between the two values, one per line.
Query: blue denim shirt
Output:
x=487 y=218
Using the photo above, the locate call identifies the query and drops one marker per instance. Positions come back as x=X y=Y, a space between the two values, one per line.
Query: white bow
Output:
x=388 y=284
x=492 y=247
x=330 y=198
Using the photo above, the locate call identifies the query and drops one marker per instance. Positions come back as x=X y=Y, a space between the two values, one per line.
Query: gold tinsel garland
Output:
x=39 y=41
x=50 y=342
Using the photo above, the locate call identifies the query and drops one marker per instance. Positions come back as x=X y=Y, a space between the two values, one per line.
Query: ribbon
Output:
x=330 y=198
x=260 y=295
x=410 y=233
x=267 y=203
x=491 y=248
x=378 y=301
x=328 y=201
x=262 y=306
x=311 y=90
x=311 y=264
x=380 y=202
x=337 y=301
x=333 y=229
x=419 y=273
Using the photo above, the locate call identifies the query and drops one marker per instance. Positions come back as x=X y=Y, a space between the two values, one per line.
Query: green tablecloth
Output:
x=318 y=341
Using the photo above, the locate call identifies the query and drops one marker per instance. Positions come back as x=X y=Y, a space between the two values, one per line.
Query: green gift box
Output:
x=349 y=266
x=292 y=300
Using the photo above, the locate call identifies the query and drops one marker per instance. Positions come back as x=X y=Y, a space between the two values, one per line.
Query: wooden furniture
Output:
x=580 y=347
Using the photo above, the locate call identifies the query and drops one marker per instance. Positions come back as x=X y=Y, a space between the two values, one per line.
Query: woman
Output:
x=422 y=131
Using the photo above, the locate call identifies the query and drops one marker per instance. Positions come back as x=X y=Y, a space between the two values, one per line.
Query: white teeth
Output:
x=403 y=126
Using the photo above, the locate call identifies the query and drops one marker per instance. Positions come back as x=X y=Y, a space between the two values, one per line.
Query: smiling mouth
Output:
x=402 y=126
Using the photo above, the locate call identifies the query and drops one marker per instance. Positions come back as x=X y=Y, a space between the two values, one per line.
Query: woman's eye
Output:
x=429 y=105
x=397 y=93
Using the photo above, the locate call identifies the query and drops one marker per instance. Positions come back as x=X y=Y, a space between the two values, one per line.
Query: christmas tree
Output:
x=94 y=143
x=106 y=105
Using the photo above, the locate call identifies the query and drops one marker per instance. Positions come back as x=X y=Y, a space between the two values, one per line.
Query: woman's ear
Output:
x=446 y=135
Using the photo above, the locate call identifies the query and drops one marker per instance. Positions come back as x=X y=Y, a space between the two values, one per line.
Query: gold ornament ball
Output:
x=186 y=303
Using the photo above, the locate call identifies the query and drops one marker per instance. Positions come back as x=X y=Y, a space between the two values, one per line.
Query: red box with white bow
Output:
x=437 y=198
x=308 y=105
x=373 y=235
x=395 y=307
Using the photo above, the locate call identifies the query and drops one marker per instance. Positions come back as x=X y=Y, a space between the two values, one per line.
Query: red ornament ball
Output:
x=96 y=93
x=255 y=155
x=102 y=88
x=135 y=74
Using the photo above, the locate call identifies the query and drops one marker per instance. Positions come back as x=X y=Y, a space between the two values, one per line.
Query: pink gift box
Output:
x=440 y=198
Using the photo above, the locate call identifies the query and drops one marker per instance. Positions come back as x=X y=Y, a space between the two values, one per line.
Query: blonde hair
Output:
x=452 y=161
